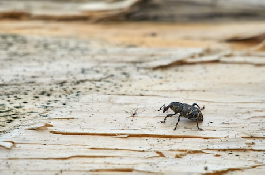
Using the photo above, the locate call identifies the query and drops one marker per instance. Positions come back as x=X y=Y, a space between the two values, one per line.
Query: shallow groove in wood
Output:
x=131 y=135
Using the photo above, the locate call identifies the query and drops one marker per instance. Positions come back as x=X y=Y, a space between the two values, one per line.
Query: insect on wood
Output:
x=192 y=112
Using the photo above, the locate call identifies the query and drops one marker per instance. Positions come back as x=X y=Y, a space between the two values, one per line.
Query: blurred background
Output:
x=134 y=10
x=237 y=24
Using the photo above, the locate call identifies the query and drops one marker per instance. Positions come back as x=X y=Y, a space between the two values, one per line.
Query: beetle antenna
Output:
x=162 y=107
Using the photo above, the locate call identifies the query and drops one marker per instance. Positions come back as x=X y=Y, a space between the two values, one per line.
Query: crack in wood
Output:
x=114 y=170
x=42 y=126
x=183 y=153
x=129 y=170
x=59 y=158
x=117 y=149
x=209 y=56
x=131 y=135
x=160 y=154
x=219 y=172
x=239 y=149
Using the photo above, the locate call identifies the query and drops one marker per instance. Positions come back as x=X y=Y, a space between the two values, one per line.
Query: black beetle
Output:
x=192 y=112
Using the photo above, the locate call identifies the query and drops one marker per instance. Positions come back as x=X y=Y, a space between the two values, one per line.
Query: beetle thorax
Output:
x=176 y=107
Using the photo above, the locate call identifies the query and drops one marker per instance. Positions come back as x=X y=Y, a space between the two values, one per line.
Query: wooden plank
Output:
x=93 y=109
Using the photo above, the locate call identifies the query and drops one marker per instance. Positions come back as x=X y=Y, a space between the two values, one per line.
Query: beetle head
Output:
x=165 y=108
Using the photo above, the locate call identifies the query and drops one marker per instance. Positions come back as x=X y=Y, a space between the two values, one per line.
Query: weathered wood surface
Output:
x=81 y=96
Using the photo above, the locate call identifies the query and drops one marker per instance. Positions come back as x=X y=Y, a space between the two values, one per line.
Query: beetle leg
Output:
x=162 y=107
x=169 y=115
x=198 y=125
x=177 y=123
x=195 y=104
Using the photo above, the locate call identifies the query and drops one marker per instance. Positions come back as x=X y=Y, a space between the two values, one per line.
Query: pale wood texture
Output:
x=97 y=107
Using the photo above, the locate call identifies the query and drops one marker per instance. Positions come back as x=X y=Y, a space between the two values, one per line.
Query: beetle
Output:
x=192 y=112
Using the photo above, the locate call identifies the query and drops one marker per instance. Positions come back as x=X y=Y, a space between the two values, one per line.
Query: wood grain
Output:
x=97 y=108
